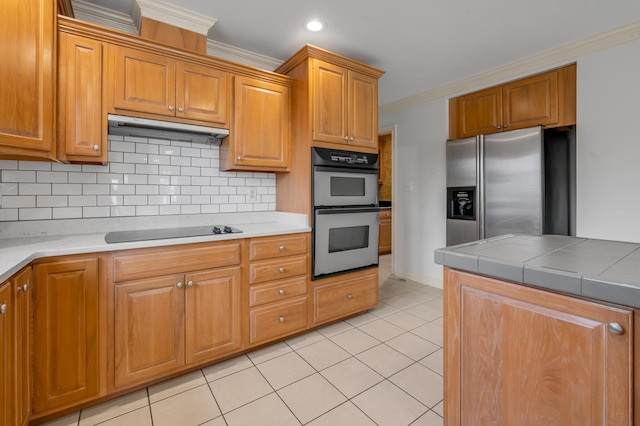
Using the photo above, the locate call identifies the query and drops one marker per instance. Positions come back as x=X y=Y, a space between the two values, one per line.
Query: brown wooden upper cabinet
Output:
x=260 y=136
x=27 y=67
x=345 y=106
x=82 y=116
x=158 y=86
x=547 y=99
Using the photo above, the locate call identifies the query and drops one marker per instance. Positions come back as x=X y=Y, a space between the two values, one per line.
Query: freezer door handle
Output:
x=480 y=191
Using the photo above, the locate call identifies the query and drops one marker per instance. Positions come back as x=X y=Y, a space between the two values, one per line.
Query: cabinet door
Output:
x=82 y=128
x=520 y=356
x=213 y=318
x=27 y=87
x=531 y=101
x=363 y=110
x=149 y=329
x=143 y=82
x=66 y=344
x=384 y=244
x=480 y=112
x=6 y=348
x=261 y=128
x=22 y=290
x=330 y=89
x=202 y=93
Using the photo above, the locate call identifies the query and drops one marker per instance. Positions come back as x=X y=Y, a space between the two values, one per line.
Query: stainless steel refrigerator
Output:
x=516 y=182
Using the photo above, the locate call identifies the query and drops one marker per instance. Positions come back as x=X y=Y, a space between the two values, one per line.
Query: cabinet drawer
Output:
x=276 y=269
x=336 y=300
x=385 y=214
x=136 y=264
x=277 y=320
x=279 y=246
x=275 y=291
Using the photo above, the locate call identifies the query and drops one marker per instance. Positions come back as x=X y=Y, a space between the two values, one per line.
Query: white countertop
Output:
x=15 y=253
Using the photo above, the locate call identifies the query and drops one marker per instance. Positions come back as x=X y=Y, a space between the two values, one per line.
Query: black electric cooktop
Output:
x=161 y=234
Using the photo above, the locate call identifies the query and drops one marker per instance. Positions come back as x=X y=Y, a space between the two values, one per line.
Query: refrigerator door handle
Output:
x=480 y=191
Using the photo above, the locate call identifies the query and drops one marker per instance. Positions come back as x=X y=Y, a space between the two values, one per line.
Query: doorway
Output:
x=388 y=212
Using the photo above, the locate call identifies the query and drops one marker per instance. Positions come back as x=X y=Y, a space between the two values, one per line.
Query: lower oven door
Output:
x=345 y=239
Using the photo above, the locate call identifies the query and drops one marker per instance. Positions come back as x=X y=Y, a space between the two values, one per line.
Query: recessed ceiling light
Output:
x=315 y=24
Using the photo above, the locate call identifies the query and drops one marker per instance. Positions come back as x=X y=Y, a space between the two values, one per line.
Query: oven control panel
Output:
x=337 y=158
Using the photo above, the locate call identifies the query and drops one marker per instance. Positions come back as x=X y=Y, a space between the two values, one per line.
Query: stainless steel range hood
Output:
x=156 y=129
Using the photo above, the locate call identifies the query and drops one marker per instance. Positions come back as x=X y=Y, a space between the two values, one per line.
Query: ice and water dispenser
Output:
x=461 y=203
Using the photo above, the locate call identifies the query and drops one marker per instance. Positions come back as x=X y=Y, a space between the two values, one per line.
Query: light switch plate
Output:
x=253 y=194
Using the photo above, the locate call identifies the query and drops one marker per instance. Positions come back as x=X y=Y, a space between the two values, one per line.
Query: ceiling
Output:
x=421 y=44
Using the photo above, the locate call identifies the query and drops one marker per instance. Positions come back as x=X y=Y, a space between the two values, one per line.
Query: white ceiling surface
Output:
x=421 y=44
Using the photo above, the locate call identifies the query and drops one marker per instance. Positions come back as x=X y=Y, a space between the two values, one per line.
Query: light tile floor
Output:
x=383 y=367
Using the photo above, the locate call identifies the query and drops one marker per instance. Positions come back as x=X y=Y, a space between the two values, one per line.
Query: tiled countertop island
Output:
x=607 y=271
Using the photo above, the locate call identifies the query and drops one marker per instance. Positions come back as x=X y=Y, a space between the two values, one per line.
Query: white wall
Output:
x=608 y=162
x=608 y=144
x=419 y=214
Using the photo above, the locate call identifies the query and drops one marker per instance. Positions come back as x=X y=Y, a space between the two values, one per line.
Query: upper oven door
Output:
x=344 y=187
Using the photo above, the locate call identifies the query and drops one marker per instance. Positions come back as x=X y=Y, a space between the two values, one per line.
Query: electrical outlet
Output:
x=253 y=194
x=0 y=195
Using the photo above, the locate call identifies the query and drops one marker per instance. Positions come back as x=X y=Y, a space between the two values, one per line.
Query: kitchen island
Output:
x=541 y=330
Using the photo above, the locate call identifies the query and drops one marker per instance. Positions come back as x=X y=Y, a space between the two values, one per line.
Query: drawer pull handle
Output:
x=96 y=148
x=282 y=269
x=281 y=248
x=281 y=291
x=349 y=296
x=281 y=319
x=179 y=285
x=24 y=288
x=190 y=283
x=3 y=308
x=615 y=328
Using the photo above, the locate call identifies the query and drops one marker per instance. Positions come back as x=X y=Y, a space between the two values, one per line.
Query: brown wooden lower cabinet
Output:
x=338 y=297
x=163 y=324
x=384 y=242
x=22 y=288
x=6 y=349
x=67 y=342
x=515 y=355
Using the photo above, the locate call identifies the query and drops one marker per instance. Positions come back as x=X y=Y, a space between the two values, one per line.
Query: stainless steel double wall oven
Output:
x=346 y=215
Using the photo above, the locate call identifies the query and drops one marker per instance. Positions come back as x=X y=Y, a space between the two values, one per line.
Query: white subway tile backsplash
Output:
x=33 y=189
x=18 y=176
x=19 y=201
x=144 y=177
x=96 y=212
x=34 y=214
x=51 y=201
x=67 y=213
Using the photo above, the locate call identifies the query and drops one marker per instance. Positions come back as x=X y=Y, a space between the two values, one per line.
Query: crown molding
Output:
x=555 y=57
x=171 y=14
x=99 y=15
x=120 y=21
x=246 y=57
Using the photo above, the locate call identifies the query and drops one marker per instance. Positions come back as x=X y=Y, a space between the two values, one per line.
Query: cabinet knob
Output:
x=346 y=138
x=281 y=291
x=24 y=288
x=281 y=319
x=281 y=248
x=171 y=108
x=189 y=283
x=96 y=148
x=351 y=138
x=349 y=296
x=282 y=269
x=181 y=109
x=3 y=308
x=498 y=126
x=504 y=126
x=238 y=158
x=615 y=328
x=180 y=285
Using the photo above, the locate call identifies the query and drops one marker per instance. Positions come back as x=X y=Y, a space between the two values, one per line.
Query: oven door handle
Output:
x=347 y=210
x=364 y=171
